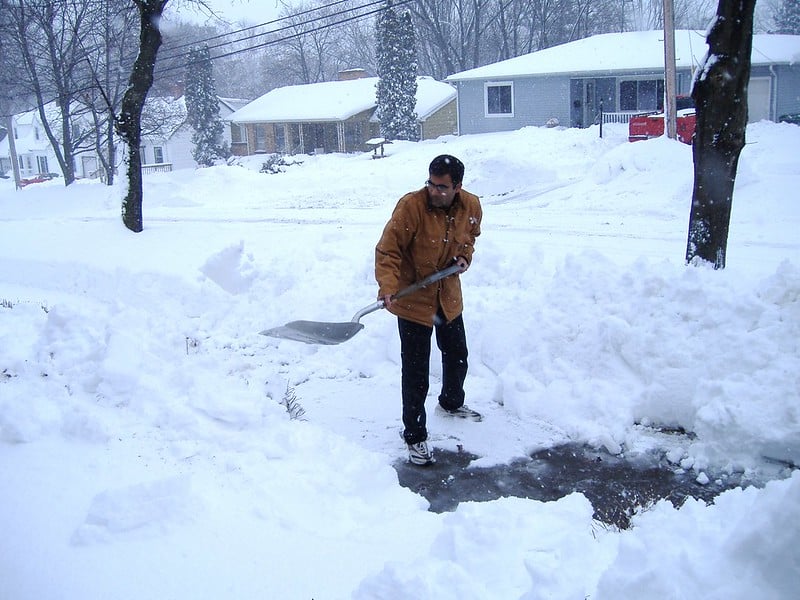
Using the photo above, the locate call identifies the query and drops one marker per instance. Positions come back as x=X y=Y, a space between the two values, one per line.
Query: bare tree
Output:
x=310 y=46
x=112 y=38
x=464 y=34
x=720 y=95
x=128 y=122
x=47 y=35
x=178 y=40
x=73 y=54
x=510 y=29
x=642 y=15
x=786 y=17
x=454 y=33
x=12 y=93
x=357 y=44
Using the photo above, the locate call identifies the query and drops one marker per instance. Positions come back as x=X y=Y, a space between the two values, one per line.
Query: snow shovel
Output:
x=312 y=332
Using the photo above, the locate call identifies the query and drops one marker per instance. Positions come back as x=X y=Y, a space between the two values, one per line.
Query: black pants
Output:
x=415 y=354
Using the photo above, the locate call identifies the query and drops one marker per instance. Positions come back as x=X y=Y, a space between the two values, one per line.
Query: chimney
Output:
x=350 y=74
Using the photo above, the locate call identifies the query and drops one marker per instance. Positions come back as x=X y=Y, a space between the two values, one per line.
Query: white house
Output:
x=167 y=137
x=35 y=155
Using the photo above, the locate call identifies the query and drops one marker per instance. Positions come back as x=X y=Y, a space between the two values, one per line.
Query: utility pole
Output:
x=670 y=84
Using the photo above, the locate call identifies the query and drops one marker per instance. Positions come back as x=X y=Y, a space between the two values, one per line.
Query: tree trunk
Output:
x=110 y=163
x=720 y=96
x=129 y=122
x=12 y=149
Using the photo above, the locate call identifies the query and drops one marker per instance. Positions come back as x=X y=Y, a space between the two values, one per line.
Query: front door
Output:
x=758 y=99
x=576 y=103
x=89 y=166
x=589 y=104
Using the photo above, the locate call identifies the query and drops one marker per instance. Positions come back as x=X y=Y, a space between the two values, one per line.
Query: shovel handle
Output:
x=432 y=278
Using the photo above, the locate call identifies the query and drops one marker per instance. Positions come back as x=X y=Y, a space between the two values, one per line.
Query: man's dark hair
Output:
x=445 y=164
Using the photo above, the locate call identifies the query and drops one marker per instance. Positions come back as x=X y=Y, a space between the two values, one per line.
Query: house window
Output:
x=237 y=134
x=314 y=135
x=280 y=138
x=499 y=99
x=353 y=135
x=41 y=163
x=261 y=138
x=641 y=94
x=158 y=154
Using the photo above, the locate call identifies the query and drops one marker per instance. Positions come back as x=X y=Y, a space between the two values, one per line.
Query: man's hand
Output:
x=387 y=300
x=462 y=263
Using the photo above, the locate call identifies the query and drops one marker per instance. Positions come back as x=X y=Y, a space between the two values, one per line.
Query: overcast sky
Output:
x=233 y=11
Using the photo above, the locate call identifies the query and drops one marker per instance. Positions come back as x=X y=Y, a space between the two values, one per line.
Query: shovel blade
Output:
x=312 y=332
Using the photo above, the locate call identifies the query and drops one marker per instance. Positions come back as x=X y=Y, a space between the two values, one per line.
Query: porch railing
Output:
x=157 y=168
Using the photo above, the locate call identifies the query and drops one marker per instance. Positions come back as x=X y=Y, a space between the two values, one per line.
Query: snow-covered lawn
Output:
x=145 y=451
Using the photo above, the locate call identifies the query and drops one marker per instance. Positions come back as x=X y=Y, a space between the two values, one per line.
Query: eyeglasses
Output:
x=440 y=187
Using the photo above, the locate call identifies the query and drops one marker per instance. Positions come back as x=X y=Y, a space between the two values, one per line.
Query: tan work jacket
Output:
x=419 y=240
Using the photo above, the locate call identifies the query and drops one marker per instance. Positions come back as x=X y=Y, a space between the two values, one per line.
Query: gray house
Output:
x=622 y=72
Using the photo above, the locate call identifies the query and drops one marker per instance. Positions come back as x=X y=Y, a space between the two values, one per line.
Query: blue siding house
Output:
x=620 y=73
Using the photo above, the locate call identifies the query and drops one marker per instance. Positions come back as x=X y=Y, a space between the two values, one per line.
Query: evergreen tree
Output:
x=202 y=108
x=397 y=72
x=787 y=18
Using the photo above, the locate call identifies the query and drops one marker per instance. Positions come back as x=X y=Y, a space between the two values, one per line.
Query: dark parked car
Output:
x=794 y=119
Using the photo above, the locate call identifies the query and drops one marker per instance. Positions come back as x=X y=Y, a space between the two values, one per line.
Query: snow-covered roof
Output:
x=334 y=101
x=431 y=96
x=631 y=51
x=28 y=140
x=232 y=104
x=27 y=118
x=163 y=116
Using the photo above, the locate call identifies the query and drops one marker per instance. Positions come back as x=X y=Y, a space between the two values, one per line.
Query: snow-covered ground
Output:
x=145 y=451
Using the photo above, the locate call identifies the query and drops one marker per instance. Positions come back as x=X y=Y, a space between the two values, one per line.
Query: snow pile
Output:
x=756 y=532
x=152 y=444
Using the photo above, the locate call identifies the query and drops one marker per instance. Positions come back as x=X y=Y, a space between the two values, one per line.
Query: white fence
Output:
x=620 y=117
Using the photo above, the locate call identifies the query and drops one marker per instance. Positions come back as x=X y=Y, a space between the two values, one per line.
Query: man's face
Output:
x=441 y=190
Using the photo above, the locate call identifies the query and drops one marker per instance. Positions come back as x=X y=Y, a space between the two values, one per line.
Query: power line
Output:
x=275 y=41
x=325 y=20
x=251 y=27
x=312 y=21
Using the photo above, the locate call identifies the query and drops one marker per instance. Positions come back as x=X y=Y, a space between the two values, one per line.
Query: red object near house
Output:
x=651 y=125
x=37 y=179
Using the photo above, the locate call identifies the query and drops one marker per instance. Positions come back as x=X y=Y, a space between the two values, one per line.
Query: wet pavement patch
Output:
x=617 y=487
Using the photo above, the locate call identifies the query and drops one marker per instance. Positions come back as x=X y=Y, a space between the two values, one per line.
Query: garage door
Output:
x=758 y=99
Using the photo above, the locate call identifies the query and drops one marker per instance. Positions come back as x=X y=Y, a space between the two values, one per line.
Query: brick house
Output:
x=332 y=116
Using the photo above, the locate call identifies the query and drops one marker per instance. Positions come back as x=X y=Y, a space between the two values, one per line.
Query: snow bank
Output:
x=145 y=442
